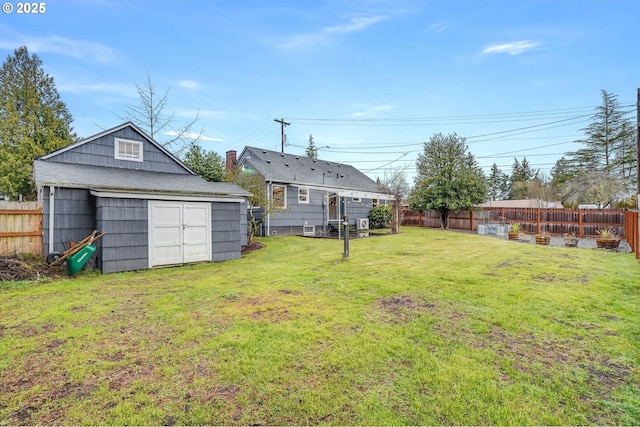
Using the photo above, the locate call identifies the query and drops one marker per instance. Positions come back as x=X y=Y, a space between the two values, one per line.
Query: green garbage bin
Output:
x=76 y=261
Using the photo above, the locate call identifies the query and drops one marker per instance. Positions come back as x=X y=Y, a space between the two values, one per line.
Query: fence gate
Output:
x=20 y=227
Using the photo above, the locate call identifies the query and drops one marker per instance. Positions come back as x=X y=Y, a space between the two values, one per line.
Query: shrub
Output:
x=380 y=216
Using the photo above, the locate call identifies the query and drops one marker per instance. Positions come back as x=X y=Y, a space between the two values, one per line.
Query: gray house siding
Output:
x=74 y=216
x=227 y=230
x=124 y=247
x=357 y=210
x=101 y=153
x=293 y=219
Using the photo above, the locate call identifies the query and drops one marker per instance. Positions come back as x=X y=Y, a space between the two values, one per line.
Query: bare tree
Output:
x=150 y=114
x=540 y=191
x=395 y=183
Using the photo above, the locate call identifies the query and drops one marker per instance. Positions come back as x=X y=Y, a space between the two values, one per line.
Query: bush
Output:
x=380 y=216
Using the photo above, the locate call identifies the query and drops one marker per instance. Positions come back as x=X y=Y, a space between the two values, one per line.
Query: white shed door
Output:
x=179 y=232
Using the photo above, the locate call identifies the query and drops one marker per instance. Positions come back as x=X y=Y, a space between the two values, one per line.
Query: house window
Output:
x=303 y=195
x=126 y=149
x=374 y=202
x=356 y=199
x=279 y=196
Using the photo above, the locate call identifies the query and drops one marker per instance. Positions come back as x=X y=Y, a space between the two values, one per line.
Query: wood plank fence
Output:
x=20 y=227
x=582 y=222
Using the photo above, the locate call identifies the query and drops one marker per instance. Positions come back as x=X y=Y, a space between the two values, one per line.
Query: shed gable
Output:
x=101 y=150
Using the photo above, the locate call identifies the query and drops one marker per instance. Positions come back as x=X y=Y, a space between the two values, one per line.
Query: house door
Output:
x=179 y=232
x=334 y=208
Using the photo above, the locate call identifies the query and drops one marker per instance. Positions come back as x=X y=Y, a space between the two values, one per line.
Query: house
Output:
x=310 y=196
x=154 y=210
x=522 y=203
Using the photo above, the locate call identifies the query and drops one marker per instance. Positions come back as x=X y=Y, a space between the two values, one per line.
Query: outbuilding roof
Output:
x=303 y=170
x=129 y=180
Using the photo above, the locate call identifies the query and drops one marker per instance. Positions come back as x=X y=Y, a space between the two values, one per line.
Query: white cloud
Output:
x=119 y=89
x=78 y=49
x=370 y=110
x=511 y=48
x=192 y=135
x=325 y=35
x=188 y=84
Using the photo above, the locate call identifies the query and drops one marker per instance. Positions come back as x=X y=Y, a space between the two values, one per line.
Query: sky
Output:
x=369 y=80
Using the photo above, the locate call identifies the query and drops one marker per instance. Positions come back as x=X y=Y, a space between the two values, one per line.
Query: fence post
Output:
x=471 y=221
x=580 y=232
x=538 y=222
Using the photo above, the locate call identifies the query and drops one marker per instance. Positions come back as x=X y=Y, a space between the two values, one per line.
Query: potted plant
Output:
x=543 y=239
x=570 y=239
x=607 y=239
x=514 y=231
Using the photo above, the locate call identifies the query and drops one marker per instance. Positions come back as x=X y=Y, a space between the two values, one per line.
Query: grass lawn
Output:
x=422 y=328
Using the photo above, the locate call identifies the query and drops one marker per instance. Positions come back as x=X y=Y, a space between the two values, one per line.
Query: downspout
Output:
x=52 y=193
x=268 y=208
x=339 y=203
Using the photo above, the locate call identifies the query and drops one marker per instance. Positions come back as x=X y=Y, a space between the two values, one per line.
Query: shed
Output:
x=154 y=210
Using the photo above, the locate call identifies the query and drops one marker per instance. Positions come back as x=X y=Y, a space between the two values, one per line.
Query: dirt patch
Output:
x=15 y=268
x=253 y=246
x=404 y=308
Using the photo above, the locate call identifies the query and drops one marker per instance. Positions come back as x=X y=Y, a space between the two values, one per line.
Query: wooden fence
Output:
x=582 y=222
x=20 y=227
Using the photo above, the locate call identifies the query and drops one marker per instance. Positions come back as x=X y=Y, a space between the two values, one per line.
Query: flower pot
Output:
x=514 y=236
x=607 y=243
x=543 y=239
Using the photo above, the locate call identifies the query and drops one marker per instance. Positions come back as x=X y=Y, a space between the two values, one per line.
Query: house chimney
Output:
x=231 y=160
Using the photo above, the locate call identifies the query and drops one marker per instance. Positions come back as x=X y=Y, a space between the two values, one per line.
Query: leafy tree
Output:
x=448 y=178
x=521 y=175
x=311 y=150
x=151 y=116
x=33 y=121
x=208 y=164
x=380 y=216
x=497 y=184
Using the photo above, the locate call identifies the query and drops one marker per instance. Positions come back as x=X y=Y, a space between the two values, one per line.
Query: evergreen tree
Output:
x=448 y=178
x=521 y=175
x=497 y=184
x=311 y=150
x=33 y=121
x=208 y=164
x=609 y=155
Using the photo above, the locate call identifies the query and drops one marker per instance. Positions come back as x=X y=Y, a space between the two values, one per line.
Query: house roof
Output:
x=522 y=203
x=112 y=130
x=303 y=170
x=129 y=180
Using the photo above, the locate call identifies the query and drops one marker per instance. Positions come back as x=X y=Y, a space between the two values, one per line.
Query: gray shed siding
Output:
x=100 y=152
x=228 y=230
x=125 y=246
x=74 y=216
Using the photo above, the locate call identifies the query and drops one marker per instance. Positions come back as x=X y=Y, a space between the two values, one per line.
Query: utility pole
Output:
x=283 y=137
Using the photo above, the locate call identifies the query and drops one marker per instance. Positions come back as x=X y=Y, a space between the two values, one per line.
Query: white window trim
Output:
x=307 y=196
x=284 y=195
x=116 y=152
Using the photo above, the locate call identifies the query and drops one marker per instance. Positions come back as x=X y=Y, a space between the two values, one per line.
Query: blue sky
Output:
x=370 y=79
